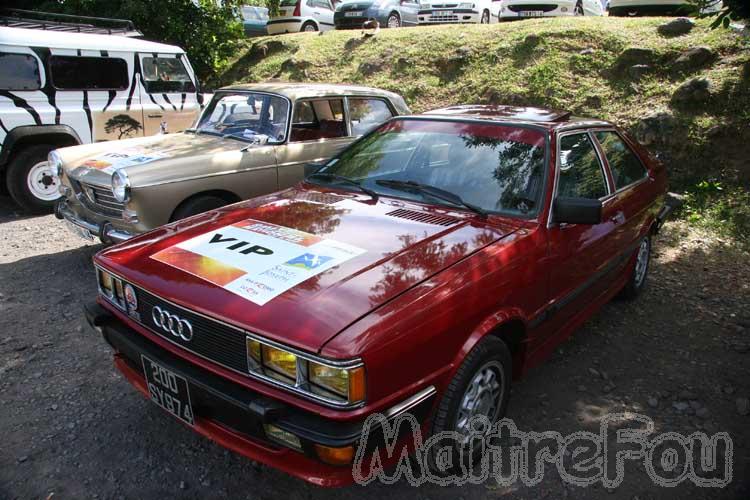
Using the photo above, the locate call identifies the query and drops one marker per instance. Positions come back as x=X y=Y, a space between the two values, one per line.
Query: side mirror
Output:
x=577 y=211
x=311 y=168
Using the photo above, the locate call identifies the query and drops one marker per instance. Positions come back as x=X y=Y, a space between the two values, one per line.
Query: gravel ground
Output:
x=71 y=427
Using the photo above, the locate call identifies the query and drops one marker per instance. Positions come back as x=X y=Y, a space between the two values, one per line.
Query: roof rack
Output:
x=67 y=23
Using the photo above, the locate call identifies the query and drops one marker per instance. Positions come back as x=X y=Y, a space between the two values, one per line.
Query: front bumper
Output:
x=233 y=415
x=284 y=25
x=103 y=230
x=449 y=16
x=344 y=22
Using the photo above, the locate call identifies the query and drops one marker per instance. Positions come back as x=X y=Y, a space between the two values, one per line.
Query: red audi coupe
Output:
x=421 y=270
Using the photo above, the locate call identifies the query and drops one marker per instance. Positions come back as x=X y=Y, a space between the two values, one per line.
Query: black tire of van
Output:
x=16 y=178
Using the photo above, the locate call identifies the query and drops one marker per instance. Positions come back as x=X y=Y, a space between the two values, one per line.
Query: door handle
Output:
x=155 y=116
x=618 y=218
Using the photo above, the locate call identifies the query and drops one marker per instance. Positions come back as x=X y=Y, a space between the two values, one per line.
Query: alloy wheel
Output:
x=482 y=397
x=394 y=21
x=641 y=262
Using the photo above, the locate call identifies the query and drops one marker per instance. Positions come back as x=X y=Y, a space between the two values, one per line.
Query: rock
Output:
x=586 y=51
x=633 y=56
x=695 y=405
x=685 y=394
x=693 y=93
x=637 y=71
x=532 y=40
x=693 y=59
x=368 y=68
x=743 y=406
x=728 y=389
x=702 y=412
x=609 y=387
x=680 y=406
x=183 y=486
x=676 y=27
x=22 y=459
x=656 y=128
x=593 y=101
x=593 y=372
x=653 y=402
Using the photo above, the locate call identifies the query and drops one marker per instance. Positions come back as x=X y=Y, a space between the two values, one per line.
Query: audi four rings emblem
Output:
x=172 y=323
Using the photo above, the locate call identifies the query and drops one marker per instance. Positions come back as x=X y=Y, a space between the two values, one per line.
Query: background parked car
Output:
x=451 y=12
x=251 y=140
x=61 y=88
x=254 y=20
x=657 y=7
x=351 y=14
x=515 y=9
x=301 y=15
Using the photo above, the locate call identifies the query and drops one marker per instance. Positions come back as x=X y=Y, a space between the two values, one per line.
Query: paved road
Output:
x=71 y=427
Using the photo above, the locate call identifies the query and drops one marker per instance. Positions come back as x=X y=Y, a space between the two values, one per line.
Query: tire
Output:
x=579 y=9
x=485 y=17
x=637 y=280
x=394 y=21
x=197 y=205
x=309 y=27
x=30 y=181
x=491 y=353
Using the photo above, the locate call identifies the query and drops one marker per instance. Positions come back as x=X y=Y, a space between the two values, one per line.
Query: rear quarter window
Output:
x=19 y=72
x=624 y=164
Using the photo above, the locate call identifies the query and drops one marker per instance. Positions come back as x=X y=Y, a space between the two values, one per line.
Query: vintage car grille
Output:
x=544 y=7
x=98 y=199
x=212 y=340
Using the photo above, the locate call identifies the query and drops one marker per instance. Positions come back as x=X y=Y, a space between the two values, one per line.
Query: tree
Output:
x=732 y=10
x=208 y=30
x=123 y=125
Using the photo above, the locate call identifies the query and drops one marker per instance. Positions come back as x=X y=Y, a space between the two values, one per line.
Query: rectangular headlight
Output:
x=279 y=361
x=348 y=383
x=106 y=283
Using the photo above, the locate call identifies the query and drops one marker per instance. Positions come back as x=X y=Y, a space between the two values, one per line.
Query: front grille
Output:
x=443 y=18
x=98 y=199
x=544 y=7
x=351 y=22
x=212 y=340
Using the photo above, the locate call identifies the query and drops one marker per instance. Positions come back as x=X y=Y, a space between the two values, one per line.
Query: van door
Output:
x=168 y=93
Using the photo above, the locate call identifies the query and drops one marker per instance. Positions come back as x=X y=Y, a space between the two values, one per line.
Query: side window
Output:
x=166 y=74
x=322 y=4
x=88 y=73
x=366 y=114
x=318 y=119
x=625 y=166
x=20 y=72
x=581 y=174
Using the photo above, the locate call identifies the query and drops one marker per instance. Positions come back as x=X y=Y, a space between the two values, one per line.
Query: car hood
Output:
x=153 y=159
x=393 y=246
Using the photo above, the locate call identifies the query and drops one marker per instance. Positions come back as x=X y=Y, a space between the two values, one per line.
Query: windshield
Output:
x=493 y=168
x=248 y=116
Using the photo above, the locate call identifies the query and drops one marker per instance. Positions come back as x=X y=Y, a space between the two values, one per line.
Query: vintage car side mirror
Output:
x=577 y=211
x=311 y=168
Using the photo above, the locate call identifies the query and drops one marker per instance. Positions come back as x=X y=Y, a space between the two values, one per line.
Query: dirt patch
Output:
x=72 y=427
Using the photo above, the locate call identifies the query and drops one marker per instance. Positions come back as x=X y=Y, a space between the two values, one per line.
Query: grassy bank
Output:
x=583 y=65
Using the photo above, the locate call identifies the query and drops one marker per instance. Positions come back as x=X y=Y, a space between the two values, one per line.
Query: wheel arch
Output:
x=31 y=135
x=224 y=194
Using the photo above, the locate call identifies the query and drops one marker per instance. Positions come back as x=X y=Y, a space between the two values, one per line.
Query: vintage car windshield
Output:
x=247 y=116
x=489 y=167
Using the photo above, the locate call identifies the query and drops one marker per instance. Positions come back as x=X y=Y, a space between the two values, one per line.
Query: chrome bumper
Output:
x=104 y=231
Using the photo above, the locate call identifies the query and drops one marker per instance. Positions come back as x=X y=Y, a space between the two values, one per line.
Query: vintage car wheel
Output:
x=480 y=387
x=637 y=279
x=31 y=181
x=197 y=205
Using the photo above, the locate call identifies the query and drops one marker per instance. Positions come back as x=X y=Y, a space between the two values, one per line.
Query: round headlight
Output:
x=121 y=186
x=55 y=163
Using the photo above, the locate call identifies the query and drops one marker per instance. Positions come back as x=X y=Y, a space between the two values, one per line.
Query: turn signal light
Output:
x=335 y=456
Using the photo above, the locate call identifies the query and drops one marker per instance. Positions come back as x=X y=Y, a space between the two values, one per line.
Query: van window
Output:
x=88 y=73
x=166 y=74
x=20 y=72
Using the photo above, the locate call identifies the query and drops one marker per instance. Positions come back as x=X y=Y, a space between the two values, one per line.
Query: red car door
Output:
x=580 y=256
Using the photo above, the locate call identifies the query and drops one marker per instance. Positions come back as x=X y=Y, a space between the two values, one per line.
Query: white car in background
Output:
x=457 y=11
x=521 y=9
x=301 y=15
x=657 y=7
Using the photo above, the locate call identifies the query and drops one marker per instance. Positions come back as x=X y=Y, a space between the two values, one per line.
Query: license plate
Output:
x=353 y=13
x=443 y=12
x=168 y=390
x=531 y=13
x=79 y=231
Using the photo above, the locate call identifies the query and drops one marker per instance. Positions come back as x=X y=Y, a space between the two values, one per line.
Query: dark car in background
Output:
x=351 y=14
x=254 y=20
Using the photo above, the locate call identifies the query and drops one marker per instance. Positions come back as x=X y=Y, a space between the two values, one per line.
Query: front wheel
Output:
x=638 y=276
x=485 y=18
x=31 y=181
x=197 y=206
x=393 y=21
x=578 y=9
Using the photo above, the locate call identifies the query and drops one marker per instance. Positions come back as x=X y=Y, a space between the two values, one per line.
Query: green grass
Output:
x=556 y=63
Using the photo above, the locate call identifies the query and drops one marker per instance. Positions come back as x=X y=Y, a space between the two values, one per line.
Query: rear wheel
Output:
x=639 y=274
x=197 y=205
x=309 y=27
x=485 y=17
x=394 y=21
x=579 y=9
x=31 y=181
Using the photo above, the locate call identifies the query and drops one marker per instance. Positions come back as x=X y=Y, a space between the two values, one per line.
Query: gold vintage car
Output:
x=250 y=140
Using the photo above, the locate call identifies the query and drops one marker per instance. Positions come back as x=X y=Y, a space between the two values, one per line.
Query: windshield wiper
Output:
x=433 y=191
x=345 y=180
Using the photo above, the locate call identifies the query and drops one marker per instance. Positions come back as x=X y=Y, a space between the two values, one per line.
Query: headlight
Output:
x=343 y=385
x=55 y=163
x=466 y=6
x=121 y=186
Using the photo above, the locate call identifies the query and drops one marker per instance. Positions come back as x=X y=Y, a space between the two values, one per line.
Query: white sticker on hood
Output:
x=112 y=161
x=256 y=260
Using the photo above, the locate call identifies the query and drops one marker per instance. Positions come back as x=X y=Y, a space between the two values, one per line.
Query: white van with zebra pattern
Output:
x=60 y=89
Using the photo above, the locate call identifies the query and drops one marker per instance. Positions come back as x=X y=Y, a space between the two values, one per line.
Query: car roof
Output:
x=87 y=41
x=304 y=90
x=548 y=118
